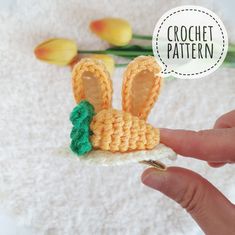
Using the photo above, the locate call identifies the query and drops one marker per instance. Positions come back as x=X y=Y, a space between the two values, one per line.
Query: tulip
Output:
x=56 y=51
x=107 y=60
x=115 y=31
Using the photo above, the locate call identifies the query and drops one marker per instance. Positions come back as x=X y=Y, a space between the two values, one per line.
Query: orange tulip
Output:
x=56 y=51
x=113 y=30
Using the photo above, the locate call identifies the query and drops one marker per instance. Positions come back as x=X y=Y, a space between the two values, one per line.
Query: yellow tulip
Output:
x=56 y=51
x=115 y=31
x=107 y=60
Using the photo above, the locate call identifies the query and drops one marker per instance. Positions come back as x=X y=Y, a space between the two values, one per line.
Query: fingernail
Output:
x=153 y=178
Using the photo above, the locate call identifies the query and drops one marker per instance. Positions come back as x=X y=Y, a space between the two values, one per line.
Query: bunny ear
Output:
x=141 y=86
x=91 y=81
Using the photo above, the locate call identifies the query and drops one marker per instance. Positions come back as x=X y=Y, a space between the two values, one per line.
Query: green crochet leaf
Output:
x=81 y=117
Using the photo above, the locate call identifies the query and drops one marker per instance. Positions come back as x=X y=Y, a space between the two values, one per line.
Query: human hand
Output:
x=213 y=212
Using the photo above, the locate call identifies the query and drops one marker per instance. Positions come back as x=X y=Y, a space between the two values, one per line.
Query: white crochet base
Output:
x=106 y=158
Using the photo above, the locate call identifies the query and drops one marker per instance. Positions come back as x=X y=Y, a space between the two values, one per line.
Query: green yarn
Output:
x=81 y=117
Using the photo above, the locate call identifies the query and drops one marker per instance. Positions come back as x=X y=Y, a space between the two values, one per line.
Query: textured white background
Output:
x=46 y=193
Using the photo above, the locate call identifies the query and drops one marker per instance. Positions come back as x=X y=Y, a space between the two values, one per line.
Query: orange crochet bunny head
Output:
x=96 y=125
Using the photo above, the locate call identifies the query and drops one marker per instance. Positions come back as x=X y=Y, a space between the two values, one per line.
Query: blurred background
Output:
x=43 y=191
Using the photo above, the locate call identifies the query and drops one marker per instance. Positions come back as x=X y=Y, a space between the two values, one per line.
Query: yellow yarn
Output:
x=102 y=84
x=114 y=130
x=140 y=64
x=119 y=131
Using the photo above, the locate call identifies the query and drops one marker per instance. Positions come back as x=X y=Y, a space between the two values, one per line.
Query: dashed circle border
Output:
x=189 y=74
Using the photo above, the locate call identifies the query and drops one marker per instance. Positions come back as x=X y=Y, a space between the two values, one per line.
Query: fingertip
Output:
x=210 y=145
x=164 y=134
x=181 y=141
x=169 y=138
x=152 y=177
x=147 y=172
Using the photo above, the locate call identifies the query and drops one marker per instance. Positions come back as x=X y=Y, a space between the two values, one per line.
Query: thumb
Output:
x=213 y=212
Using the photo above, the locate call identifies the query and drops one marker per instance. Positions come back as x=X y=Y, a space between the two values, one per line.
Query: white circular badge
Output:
x=189 y=42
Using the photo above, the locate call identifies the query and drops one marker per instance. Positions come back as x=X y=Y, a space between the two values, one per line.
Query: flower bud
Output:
x=115 y=31
x=56 y=51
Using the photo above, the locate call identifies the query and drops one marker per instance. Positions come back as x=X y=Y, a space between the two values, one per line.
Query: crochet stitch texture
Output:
x=114 y=130
x=81 y=117
x=100 y=94
x=119 y=131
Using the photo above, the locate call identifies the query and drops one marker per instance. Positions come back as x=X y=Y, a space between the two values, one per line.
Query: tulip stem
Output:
x=132 y=51
x=120 y=65
x=144 y=37
x=91 y=52
x=116 y=52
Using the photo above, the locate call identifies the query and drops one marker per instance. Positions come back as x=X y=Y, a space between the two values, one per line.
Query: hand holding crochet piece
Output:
x=107 y=136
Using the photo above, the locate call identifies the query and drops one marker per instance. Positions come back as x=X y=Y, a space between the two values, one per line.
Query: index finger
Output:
x=209 y=145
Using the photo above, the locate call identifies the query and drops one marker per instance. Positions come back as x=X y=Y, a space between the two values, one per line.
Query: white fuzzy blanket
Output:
x=54 y=194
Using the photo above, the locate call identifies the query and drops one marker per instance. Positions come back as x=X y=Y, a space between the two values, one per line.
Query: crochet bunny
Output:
x=96 y=125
